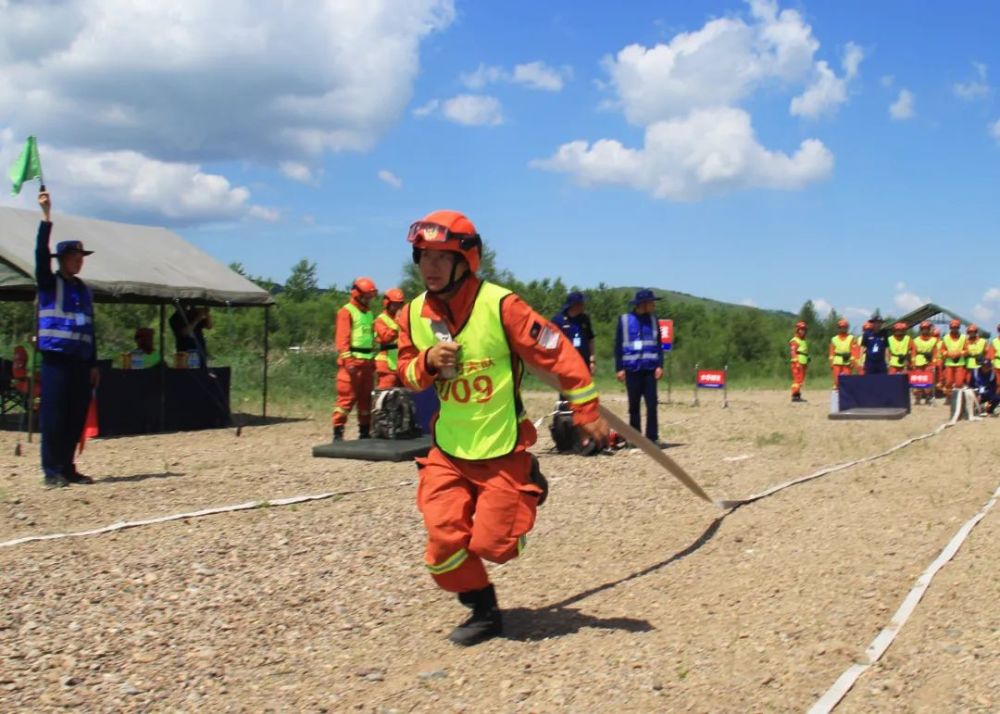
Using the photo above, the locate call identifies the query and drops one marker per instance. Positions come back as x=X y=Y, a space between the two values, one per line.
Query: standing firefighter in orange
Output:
x=901 y=349
x=387 y=334
x=843 y=352
x=479 y=486
x=953 y=349
x=925 y=358
x=799 y=346
x=355 y=339
x=975 y=347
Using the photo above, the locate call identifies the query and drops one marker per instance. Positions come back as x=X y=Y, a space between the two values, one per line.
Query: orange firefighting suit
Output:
x=386 y=378
x=476 y=510
x=355 y=377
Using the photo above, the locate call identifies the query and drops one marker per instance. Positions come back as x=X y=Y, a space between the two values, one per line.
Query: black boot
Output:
x=485 y=623
x=363 y=431
x=338 y=433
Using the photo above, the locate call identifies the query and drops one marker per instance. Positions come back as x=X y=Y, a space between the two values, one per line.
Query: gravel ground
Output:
x=632 y=595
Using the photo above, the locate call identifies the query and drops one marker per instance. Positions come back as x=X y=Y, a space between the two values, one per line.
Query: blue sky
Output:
x=762 y=152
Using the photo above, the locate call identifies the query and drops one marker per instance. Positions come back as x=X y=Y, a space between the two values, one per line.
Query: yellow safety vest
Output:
x=953 y=345
x=803 y=349
x=976 y=349
x=996 y=352
x=481 y=405
x=925 y=350
x=899 y=350
x=362 y=333
x=842 y=347
x=389 y=353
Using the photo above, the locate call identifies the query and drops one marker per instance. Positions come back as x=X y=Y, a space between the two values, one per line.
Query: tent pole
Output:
x=267 y=326
x=163 y=369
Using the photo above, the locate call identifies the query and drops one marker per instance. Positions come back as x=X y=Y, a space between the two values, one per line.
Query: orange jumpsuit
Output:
x=385 y=336
x=798 y=369
x=355 y=377
x=476 y=510
x=954 y=375
x=839 y=369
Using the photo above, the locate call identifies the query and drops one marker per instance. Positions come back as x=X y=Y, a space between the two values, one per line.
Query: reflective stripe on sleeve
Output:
x=449 y=564
x=411 y=373
x=581 y=395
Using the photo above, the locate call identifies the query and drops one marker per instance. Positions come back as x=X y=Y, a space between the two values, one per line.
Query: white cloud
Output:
x=749 y=302
x=822 y=307
x=994 y=129
x=533 y=75
x=473 y=110
x=297 y=171
x=685 y=94
x=707 y=152
x=992 y=295
x=975 y=88
x=906 y=300
x=982 y=313
x=902 y=108
x=887 y=80
x=188 y=82
x=270 y=215
x=860 y=313
x=427 y=109
x=390 y=178
x=828 y=91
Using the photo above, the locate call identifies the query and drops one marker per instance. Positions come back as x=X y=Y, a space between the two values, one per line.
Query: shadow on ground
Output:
x=135 y=478
x=524 y=625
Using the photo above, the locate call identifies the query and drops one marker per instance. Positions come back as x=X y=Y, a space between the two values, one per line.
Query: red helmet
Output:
x=800 y=325
x=972 y=328
x=899 y=327
x=364 y=286
x=447 y=230
x=954 y=324
x=393 y=295
x=925 y=325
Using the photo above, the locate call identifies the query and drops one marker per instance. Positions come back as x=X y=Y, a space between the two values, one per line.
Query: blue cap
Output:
x=70 y=246
x=575 y=298
x=644 y=295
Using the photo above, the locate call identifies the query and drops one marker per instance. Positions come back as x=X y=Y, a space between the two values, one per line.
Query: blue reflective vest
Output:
x=66 y=319
x=640 y=342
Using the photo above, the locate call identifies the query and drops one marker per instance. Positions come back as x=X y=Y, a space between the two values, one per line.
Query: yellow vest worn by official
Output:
x=481 y=405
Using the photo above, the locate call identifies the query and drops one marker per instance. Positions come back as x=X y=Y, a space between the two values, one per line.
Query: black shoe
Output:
x=58 y=481
x=78 y=478
x=485 y=623
x=539 y=480
x=338 y=433
x=660 y=444
x=363 y=432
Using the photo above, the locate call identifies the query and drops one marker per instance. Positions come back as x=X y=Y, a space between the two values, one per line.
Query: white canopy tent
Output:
x=132 y=264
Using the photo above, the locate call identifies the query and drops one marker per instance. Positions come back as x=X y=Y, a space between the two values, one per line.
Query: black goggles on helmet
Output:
x=436 y=233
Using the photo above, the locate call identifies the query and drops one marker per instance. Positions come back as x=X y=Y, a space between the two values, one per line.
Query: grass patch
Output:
x=772 y=439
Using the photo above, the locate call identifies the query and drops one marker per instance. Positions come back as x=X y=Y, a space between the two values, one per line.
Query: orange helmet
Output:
x=972 y=328
x=925 y=325
x=364 y=286
x=393 y=295
x=447 y=230
x=954 y=324
x=843 y=323
x=899 y=327
x=800 y=325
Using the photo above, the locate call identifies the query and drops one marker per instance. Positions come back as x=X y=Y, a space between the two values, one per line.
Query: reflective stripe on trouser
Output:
x=474 y=511
x=839 y=369
x=354 y=386
x=798 y=377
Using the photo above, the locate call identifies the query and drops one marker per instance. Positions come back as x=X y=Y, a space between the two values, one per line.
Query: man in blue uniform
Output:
x=639 y=360
x=984 y=384
x=874 y=343
x=69 y=351
x=575 y=324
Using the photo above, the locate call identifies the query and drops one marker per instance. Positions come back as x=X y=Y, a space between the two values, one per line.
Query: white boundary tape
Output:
x=880 y=644
x=198 y=514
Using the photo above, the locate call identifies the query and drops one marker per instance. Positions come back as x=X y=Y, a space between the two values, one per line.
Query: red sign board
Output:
x=921 y=380
x=666 y=334
x=711 y=378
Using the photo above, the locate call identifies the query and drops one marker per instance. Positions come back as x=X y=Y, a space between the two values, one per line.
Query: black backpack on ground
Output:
x=393 y=415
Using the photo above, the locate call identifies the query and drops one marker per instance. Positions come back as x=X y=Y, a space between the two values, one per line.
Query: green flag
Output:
x=28 y=166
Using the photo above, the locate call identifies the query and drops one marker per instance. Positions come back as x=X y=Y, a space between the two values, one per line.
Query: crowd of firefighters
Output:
x=950 y=361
